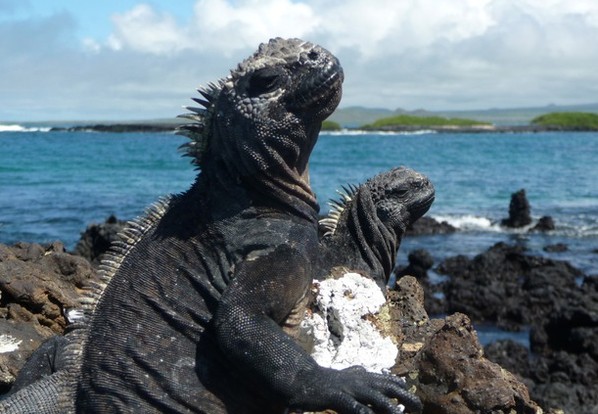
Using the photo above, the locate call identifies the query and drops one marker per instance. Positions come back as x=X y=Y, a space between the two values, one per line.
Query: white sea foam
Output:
x=570 y=227
x=469 y=222
x=21 y=128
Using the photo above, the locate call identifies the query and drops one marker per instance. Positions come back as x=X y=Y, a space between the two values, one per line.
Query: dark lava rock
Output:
x=507 y=287
x=557 y=381
x=428 y=225
x=38 y=283
x=546 y=223
x=572 y=326
x=97 y=238
x=511 y=289
x=519 y=211
x=420 y=261
x=444 y=360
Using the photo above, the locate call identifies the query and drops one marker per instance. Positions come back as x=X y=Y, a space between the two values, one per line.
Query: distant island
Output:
x=553 y=121
x=570 y=121
x=413 y=123
x=557 y=121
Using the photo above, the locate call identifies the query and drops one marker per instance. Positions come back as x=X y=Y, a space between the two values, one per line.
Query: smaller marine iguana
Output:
x=194 y=301
x=364 y=230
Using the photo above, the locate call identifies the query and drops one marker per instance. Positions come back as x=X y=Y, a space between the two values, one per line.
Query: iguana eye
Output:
x=263 y=81
x=400 y=192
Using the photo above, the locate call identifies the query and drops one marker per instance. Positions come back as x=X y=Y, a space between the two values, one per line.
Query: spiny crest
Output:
x=119 y=250
x=276 y=50
x=329 y=223
x=199 y=131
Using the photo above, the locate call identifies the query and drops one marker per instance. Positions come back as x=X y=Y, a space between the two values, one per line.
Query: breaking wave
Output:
x=21 y=128
x=573 y=226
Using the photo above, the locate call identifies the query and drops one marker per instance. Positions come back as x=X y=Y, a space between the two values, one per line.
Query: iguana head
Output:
x=263 y=120
x=372 y=218
x=401 y=196
x=394 y=199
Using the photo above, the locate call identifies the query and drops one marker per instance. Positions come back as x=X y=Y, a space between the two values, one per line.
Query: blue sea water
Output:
x=53 y=184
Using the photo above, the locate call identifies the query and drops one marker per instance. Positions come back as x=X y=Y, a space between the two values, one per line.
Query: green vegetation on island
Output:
x=572 y=121
x=331 y=126
x=412 y=121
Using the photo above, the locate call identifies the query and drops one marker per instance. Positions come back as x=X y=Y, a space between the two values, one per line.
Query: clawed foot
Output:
x=356 y=391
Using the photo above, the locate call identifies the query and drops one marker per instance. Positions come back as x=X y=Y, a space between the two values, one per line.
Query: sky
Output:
x=134 y=60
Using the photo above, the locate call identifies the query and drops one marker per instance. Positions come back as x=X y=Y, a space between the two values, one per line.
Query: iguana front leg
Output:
x=247 y=324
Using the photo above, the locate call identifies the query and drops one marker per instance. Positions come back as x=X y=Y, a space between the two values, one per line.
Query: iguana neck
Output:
x=377 y=243
x=261 y=178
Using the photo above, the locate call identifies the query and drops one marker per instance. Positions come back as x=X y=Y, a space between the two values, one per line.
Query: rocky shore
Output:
x=438 y=354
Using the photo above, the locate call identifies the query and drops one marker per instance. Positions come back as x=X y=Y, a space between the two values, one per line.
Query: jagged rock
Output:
x=420 y=261
x=444 y=360
x=97 y=238
x=557 y=381
x=37 y=284
x=572 y=326
x=519 y=211
x=505 y=286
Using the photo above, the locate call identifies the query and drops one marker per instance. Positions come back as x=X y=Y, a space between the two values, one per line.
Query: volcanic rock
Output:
x=519 y=211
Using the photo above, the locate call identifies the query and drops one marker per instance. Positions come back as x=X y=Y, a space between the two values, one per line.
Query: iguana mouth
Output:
x=322 y=91
x=423 y=207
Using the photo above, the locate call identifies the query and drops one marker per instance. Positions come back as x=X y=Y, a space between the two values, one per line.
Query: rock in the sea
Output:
x=420 y=261
x=38 y=283
x=556 y=248
x=545 y=223
x=519 y=211
x=429 y=225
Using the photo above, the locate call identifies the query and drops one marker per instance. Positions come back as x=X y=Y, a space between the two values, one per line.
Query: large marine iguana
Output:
x=187 y=299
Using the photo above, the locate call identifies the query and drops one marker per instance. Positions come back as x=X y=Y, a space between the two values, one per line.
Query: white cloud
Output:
x=408 y=53
x=145 y=30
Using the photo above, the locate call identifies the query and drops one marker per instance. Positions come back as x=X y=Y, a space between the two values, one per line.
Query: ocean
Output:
x=54 y=184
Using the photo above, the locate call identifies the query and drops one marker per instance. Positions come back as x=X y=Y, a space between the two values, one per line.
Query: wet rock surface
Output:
x=38 y=284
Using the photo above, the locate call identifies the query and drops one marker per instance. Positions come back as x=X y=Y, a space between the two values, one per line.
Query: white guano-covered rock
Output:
x=343 y=335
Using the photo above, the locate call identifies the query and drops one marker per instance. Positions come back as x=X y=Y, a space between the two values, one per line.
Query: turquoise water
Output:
x=53 y=184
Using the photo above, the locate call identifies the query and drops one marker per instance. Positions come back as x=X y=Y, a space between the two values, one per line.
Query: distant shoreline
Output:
x=476 y=129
